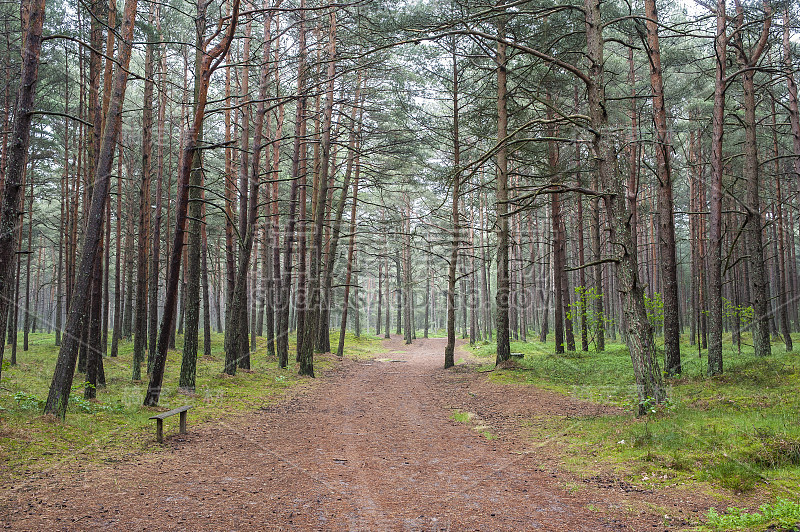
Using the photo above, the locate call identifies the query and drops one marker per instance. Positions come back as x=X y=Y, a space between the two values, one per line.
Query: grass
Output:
x=471 y=419
x=116 y=424
x=461 y=417
x=735 y=433
x=784 y=515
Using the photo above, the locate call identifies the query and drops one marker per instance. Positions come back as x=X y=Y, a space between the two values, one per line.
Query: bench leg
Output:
x=183 y=422
x=160 y=430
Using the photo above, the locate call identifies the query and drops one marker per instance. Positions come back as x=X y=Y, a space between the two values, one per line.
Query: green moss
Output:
x=736 y=432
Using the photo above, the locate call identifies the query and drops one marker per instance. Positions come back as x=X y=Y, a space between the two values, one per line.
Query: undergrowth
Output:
x=783 y=515
x=735 y=432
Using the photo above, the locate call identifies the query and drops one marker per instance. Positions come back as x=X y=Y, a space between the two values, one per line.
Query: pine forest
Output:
x=591 y=206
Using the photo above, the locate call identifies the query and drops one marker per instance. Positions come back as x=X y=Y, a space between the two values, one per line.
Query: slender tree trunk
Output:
x=380 y=296
x=237 y=348
x=449 y=350
x=211 y=60
x=408 y=319
x=399 y=289
x=780 y=237
x=117 y=265
x=298 y=149
x=715 y=201
x=323 y=338
x=350 y=253
x=557 y=243
x=387 y=328
x=666 y=218
x=26 y=325
x=61 y=384
x=321 y=195
x=17 y=154
x=204 y=282
x=274 y=221
x=759 y=286
x=639 y=335
x=155 y=258
x=794 y=112
x=143 y=252
x=501 y=193
x=191 y=292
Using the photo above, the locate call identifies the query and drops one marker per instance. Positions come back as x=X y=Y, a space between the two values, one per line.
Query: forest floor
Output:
x=395 y=443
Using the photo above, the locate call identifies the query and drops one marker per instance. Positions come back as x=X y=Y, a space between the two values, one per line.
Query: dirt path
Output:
x=372 y=447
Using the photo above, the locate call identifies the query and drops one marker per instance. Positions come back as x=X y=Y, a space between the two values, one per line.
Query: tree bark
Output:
x=211 y=60
x=142 y=273
x=350 y=254
x=321 y=194
x=666 y=218
x=237 y=348
x=449 y=350
x=282 y=343
x=759 y=286
x=191 y=340
x=155 y=258
x=501 y=193
x=639 y=332
x=323 y=338
x=714 y=290
x=10 y=208
x=61 y=384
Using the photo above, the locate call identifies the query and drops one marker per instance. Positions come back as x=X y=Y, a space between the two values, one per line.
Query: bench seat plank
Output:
x=172 y=412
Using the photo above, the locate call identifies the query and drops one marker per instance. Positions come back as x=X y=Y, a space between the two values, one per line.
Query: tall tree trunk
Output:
x=299 y=146
x=557 y=243
x=408 y=319
x=118 y=265
x=240 y=317
x=61 y=384
x=323 y=338
x=783 y=285
x=211 y=60
x=274 y=221
x=17 y=154
x=191 y=340
x=639 y=335
x=350 y=252
x=449 y=350
x=142 y=273
x=204 y=281
x=399 y=288
x=26 y=325
x=715 y=201
x=156 y=225
x=237 y=348
x=501 y=193
x=666 y=218
x=758 y=278
x=321 y=195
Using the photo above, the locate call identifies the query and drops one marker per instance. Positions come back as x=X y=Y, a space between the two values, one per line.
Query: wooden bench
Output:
x=517 y=355
x=161 y=417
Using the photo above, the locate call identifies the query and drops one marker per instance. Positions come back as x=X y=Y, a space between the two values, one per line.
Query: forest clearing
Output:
x=547 y=251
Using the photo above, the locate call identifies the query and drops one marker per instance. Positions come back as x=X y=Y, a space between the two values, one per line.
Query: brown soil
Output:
x=370 y=447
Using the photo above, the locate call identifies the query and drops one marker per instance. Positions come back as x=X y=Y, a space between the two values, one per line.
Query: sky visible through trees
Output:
x=492 y=171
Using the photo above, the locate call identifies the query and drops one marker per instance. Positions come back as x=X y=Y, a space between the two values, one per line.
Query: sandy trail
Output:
x=372 y=447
